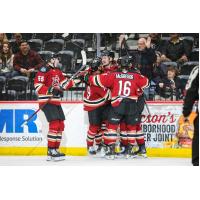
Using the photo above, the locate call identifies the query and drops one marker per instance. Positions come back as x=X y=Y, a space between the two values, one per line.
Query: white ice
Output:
x=92 y=161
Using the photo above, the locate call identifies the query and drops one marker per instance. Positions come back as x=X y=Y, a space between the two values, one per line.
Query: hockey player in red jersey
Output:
x=139 y=136
x=49 y=84
x=124 y=86
x=95 y=102
x=108 y=63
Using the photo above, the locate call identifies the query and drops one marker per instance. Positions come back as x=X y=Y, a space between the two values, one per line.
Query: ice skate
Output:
x=110 y=152
x=129 y=153
x=62 y=155
x=53 y=155
x=121 y=152
x=100 y=150
x=91 y=150
x=141 y=151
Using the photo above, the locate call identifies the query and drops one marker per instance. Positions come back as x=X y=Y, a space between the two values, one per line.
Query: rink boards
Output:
x=160 y=128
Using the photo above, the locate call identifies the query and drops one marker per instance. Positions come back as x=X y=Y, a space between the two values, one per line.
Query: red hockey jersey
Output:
x=95 y=97
x=122 y=85
x=47 y=77
x=110 y=69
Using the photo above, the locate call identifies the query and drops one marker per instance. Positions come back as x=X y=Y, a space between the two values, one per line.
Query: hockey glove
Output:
x=86 y=78
x=77 y=81
x=55 y=91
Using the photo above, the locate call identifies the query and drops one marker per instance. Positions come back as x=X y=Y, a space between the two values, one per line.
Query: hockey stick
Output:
x=40 y=107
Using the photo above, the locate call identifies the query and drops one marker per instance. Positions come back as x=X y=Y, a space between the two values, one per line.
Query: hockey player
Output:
x=95 y=102
x=124 y=86
x=139 y=136
x=108 y=62
x=49 y=85
x=192 y=95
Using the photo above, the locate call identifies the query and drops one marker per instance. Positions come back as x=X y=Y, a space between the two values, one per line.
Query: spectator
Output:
x=18 y=39
x=26 y=61
x=156 y=42
x=6 y=61
x=158 y=73
x=170 y=87
x=3 y=38
x=145 y=57
x=175 y=49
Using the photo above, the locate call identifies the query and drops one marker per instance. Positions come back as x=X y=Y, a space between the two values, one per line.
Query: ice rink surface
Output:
x=92 y=161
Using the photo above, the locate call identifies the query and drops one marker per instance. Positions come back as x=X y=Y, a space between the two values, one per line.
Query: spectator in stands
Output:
x=27 y=61
x=18 y=39
x=158 y=73
x=6 y=61
x=3 y=38
x=170 y=87
x=145 y=57
x=156 y=42
x=175 y=49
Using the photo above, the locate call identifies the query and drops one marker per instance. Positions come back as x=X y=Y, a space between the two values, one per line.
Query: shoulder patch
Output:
x=44 y=69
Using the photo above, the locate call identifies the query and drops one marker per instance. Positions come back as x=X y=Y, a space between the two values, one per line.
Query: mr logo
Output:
x=11 y=120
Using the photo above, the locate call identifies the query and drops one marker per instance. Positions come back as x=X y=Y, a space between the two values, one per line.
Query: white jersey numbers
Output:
x=124 y=88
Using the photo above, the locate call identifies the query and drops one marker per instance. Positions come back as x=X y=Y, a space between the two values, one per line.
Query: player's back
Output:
x=126 y=85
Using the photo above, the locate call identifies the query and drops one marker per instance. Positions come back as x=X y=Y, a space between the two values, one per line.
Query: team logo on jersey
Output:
x=55 y=81
x=43 y=69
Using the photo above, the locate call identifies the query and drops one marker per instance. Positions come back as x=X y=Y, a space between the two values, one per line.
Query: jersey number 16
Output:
x=124 y=88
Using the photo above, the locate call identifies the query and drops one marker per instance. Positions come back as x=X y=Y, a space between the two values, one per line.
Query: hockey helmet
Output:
x=50 y=56
x=106 y=53
x=125 y=61
x=95 y=63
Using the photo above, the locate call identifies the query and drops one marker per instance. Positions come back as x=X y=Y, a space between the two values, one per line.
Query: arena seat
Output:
x=88 y=37
x=67 y=60
x=189 y=40
x=164 y=66
x=184 y=79
x=45 y=54
x=194 y=56
x=44 y=36
x=187 y=67
x=75 y=45
x=27 y=36
x=54 y=45
x=143 y=35
x=19 y=85
x=132 y=44
x=9 y=36
x=2 y=85
x=36 y=44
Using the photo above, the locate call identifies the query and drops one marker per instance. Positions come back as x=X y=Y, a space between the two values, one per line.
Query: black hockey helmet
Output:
x=106 y=53
x=48 y=57
x=112 y=54
x=125 y=61
x=95 y=63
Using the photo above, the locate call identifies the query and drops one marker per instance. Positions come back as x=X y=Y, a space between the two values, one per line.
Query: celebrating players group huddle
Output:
x=114 y=101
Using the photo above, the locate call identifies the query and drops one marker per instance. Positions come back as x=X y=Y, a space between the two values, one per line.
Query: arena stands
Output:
x=69 y=48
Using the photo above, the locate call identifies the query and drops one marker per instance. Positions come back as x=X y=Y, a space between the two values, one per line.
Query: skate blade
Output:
x=142 y=156
x=110 y=157
x=49 y=158
x=130 y=156
x=120 y=156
